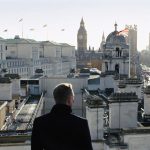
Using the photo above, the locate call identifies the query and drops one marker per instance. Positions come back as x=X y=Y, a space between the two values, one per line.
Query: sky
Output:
x=99 y=16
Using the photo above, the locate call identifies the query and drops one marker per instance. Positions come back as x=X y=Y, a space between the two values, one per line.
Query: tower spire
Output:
x=115 y=26
x=103 y=37
x=82 y=22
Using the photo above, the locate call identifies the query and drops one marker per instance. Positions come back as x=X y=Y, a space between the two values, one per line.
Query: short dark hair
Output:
x=61 y=92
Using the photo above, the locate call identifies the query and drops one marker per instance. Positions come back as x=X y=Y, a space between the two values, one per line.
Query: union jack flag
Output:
x=124 y=32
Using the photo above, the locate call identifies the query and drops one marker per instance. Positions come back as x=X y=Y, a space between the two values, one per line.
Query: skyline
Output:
x=63 y=19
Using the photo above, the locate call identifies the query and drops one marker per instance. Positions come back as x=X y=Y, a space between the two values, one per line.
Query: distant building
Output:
x=82 y=37
x=24 y=56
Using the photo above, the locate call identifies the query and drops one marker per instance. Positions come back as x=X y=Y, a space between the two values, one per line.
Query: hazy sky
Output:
x=99 y=16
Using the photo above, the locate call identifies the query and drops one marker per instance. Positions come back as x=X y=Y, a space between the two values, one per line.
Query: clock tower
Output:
x=82 y=37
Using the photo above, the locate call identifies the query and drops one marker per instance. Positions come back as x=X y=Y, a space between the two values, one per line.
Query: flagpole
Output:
x=22 y=29
x=46 y=30
x=6 y=31
x=47 y=33
x=32 y=30
x=21 y=20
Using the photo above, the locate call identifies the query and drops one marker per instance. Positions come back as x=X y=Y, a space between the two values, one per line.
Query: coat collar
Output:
x=61 y=109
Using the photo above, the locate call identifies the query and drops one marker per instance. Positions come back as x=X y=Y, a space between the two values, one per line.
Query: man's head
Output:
x=63 y=94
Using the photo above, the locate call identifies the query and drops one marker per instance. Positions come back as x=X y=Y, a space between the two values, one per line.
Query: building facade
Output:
x=24 y=56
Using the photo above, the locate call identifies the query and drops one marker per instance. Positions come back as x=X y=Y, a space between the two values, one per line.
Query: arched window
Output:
x=117 y=51
x=106 y=66
x=117 y=68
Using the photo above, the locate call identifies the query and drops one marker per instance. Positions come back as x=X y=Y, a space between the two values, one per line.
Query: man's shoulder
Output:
x=42 y=118
x=78 y=118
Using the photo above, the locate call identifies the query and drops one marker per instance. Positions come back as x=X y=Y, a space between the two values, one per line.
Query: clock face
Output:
x=80 y=37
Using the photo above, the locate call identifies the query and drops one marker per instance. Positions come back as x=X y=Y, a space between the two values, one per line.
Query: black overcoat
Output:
x=60 y=130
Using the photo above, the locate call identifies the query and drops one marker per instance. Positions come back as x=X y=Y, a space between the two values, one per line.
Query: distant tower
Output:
x=103 y=42
x=82 y=37
x=132 y=38
x=132 y=42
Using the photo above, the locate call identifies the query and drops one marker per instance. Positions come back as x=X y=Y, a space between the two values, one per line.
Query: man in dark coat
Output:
x=60 y=129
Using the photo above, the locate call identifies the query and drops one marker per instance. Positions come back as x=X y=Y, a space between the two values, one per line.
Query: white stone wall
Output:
x=16 y=147
x=108 y=82
x=16 y=87
x=98 y=145
x=123 y=67
x=12 y=50
x=68 y=51
x=102 y=83
x=138 y=141
x=147 y=103
x=49 y=83
x=123 y=115
x=52 y=50
x=96 y=122
x=5 y=91
x=93 y=87
x=26 y=50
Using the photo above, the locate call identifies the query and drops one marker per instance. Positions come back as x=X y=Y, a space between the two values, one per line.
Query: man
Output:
x=60 y=129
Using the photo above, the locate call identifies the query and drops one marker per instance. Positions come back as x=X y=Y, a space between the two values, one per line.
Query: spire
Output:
x=103 y=37
x=82 y=22
x=115 y=26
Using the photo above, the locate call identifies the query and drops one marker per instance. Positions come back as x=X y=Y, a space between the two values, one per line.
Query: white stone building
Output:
x=24 y=56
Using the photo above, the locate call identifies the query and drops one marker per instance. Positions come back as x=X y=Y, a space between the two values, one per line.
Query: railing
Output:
x=30 y=124
x=14 y=132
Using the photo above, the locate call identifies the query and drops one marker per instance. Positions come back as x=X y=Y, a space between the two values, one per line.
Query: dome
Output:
x=115 y=38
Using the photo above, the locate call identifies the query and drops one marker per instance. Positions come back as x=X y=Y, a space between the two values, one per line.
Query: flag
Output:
x=124 y=32
x=5 y=30
x=44 y=25
x=20 y=20
x=62 y=29
x=32 y=29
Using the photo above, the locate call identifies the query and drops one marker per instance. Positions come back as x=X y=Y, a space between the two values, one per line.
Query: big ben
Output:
x=82 y=37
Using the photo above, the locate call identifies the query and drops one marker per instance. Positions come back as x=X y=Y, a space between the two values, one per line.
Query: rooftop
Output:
x=120 y=76
x=5 y=80
x=123 y=97
x=103 y=74
x=12 y=76
x=17 y=40
x=133 y=81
